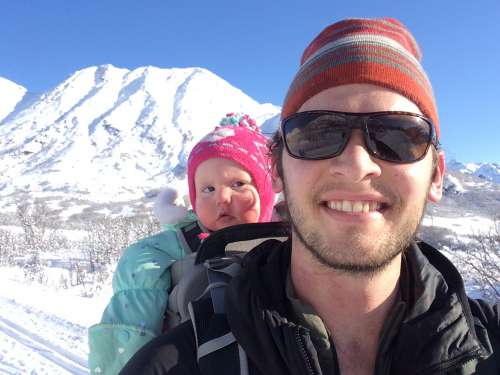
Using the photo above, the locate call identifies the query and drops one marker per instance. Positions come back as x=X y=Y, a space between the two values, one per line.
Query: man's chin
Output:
x=352 y=265
x=356 y=252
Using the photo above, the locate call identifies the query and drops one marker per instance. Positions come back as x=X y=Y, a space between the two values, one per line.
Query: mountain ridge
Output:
x=107 y=129
x=10 y=95
x=486 y=171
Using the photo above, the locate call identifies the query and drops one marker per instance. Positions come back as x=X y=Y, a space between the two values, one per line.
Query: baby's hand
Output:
x=169 y=206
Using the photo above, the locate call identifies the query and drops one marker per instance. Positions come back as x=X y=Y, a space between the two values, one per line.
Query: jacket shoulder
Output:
x=487 y=326
x=487 y=316
x=488 y=313
x=143 y=264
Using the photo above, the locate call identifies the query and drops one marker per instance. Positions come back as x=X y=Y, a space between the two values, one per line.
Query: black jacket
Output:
x=436 y=328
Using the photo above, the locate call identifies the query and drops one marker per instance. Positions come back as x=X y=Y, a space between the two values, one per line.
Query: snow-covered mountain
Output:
x=10 y=95
x=107 y=133
x=486 y=171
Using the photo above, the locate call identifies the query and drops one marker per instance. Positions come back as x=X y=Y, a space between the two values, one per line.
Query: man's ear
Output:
x=276 y=179
x=436 y=188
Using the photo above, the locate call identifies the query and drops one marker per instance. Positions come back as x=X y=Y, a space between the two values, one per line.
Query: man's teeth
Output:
x=353 y=206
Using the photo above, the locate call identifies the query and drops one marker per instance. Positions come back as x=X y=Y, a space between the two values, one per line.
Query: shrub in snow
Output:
x=88 y=261
x=479 y=261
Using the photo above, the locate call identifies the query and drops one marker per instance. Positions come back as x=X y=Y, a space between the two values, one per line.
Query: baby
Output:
x=229 y=184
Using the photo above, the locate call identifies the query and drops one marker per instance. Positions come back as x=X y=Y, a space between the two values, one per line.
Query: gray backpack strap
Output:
x=188 y=236
x=214 y=340
x=203 y=283
x=220 y=271
x=216 y=344
x=189 y=281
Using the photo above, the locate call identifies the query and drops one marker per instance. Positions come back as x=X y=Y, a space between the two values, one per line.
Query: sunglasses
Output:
x=398 y=137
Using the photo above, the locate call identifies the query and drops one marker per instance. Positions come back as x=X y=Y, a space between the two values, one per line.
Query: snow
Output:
x=462 y=226
x=43 y=328
x=52 y=299
x=10 y=95
x=452 y=183
x=114 y=134
x=487 y=171
x=73 y=210
x=105 y=212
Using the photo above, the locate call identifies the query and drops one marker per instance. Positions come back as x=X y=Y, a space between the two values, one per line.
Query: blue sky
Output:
x=256 y=46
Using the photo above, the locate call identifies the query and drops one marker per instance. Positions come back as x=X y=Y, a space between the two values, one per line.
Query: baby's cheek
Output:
x=250 y=207
x=249 y=199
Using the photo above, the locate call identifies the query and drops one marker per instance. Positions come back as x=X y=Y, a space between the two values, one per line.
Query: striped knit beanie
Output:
x=381 y=52
x=237 y=138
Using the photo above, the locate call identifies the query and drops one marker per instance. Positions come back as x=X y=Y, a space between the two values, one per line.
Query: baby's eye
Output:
x=207 y=189
x=238 y=184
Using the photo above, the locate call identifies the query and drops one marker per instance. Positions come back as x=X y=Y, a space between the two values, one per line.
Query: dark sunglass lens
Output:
x=399 y=138
x=316 y=135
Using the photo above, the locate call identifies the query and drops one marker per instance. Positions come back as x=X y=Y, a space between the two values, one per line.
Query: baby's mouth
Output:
x=223 y=215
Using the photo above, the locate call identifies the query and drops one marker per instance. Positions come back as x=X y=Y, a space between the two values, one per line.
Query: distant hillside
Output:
x=110 y=134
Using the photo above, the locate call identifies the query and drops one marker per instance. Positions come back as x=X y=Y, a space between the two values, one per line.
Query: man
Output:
x=357 y=158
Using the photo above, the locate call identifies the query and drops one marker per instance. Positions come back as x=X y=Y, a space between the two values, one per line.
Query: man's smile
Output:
x=354 y=206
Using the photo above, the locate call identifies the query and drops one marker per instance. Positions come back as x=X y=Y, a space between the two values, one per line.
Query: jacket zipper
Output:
x=303 y=352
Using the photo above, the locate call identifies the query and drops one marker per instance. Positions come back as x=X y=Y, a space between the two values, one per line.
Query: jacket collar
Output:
x=437 y=331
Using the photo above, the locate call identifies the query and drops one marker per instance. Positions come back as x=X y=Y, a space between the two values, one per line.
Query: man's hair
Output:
x=276 y=146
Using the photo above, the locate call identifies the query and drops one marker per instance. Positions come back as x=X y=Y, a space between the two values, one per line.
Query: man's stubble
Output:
x=355 y=254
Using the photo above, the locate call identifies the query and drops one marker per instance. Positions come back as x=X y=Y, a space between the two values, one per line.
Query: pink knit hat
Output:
x=239 y=139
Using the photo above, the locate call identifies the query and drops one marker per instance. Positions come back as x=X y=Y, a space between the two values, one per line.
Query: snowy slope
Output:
x=112 y=134
x=43 y=330
x=486 y=171
x=10 y=95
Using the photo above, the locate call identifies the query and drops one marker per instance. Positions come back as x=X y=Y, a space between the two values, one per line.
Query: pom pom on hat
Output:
x=236 y=119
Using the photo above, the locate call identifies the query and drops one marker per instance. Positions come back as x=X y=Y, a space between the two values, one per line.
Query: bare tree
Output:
x=104 y=242
x=10 y=248
x=100 y=247
x=33 y=219
x=38 y=238
x=480 y=259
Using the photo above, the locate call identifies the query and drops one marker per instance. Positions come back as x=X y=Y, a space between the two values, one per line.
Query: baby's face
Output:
x=225 y=194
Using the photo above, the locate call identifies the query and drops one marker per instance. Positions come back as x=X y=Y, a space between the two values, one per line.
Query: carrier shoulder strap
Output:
x=219 y=243
x=220 y=254
x=217 y=349
x=188 y=236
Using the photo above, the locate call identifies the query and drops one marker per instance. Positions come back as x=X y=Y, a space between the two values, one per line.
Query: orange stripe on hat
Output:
x=381 y=52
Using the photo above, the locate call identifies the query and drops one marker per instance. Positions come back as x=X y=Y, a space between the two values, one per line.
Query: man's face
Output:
x=324 y=196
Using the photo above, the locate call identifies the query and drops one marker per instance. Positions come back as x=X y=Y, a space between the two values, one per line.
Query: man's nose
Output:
x=355 y=162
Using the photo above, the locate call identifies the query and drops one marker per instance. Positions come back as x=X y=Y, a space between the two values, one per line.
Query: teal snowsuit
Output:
x=135 y=313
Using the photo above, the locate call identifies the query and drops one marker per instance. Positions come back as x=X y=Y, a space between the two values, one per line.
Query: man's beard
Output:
x=353 y=255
